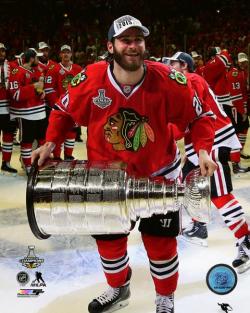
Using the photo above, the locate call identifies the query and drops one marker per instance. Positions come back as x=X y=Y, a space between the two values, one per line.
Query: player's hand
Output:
x=207 y=165
x=244 y=117
x=39 y=86
x=43 y=153
x=42 y=95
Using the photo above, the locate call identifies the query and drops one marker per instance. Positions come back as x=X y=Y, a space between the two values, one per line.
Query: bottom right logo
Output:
x=221 y=279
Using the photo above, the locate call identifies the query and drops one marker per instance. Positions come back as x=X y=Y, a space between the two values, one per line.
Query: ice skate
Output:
x=238 y=169
x=112 y=299
x=6 y=169
x=164 y=304
x=196 y=233
x=242 y=261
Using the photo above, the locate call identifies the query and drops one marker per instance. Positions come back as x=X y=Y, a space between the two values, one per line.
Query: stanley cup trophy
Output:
x=78 y=197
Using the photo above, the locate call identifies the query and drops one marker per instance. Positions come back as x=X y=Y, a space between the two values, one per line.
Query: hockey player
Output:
x=238 y=92
x=221 y=183
x=243 y=64
x=215 y=73
x=27 y=104
x=64 y=74
x=127 y=105
x=198 y=63
x=7 y=127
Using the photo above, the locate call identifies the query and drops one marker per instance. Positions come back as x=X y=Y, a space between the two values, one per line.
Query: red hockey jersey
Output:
x=64 y=77
x=132 y=129
x=50 y=81
x=225 y=135
x=25 y=102
x=57 y=80
x=238 y=90
x=215 y=73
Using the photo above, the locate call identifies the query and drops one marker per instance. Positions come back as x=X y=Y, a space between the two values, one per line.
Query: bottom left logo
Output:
x=29 y=292
x=30 y=286
x=23 y=278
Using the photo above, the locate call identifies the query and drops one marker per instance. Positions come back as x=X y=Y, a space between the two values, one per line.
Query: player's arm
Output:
x=187 y=112
x=21 y=92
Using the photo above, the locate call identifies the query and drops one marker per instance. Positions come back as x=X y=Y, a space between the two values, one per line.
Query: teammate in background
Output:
x=48 y=67
x=198 y=63
x=238 y=92
x=140 y=95
x=27 y=105
x=18 y=60
x=243 y=64
x=7 y=127
x=215 y=73
x=65 y=73
x=221 y=183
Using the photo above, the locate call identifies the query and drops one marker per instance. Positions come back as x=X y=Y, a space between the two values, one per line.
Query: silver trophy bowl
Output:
x=79 y=197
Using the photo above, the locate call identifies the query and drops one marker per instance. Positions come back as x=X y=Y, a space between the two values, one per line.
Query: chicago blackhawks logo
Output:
x=128 y=130
x=78 y=79
x=67 y=81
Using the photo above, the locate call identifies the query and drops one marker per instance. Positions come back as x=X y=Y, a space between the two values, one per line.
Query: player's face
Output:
x=176 y=65
x=45 y=56
x=196 y=61
x=128 y=49
x=66 y=55
x=112 y=129
x=2 y=55
x=243 y=65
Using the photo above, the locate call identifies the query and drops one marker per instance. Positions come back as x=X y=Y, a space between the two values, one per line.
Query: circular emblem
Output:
x=127 y=89
x=22 y=278
x=180 y=78
x=221 y=279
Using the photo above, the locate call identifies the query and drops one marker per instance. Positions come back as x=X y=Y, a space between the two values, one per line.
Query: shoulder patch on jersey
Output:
x=14 y=71
x=179 y=77
x=234 y=74
x=79 y=78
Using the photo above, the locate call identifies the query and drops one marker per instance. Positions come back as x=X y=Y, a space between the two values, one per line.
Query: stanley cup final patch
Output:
x=101 y=100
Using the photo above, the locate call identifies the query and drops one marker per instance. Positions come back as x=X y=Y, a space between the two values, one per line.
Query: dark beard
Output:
x=131 y=67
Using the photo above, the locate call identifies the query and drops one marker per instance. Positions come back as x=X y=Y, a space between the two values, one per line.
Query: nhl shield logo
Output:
x=101 y=100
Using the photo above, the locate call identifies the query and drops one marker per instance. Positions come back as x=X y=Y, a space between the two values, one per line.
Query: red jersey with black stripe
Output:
x=25 y=102
x=225 y=135
x=132 y=129
x=215 y=73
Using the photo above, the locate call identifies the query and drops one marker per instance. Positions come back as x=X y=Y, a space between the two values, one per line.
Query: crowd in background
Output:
x=174 y=26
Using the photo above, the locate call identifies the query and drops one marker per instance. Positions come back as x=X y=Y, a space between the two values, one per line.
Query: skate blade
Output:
x=195 y=241
x=117 y=306
x=243 y=268
x=4 y=173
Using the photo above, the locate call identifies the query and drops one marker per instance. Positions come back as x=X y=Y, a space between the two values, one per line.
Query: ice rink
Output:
x=73 y=274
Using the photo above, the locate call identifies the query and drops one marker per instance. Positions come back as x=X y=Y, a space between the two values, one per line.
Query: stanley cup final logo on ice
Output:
x=31 y=260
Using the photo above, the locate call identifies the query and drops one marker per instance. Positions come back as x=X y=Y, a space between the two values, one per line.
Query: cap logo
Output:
x=124 y=21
